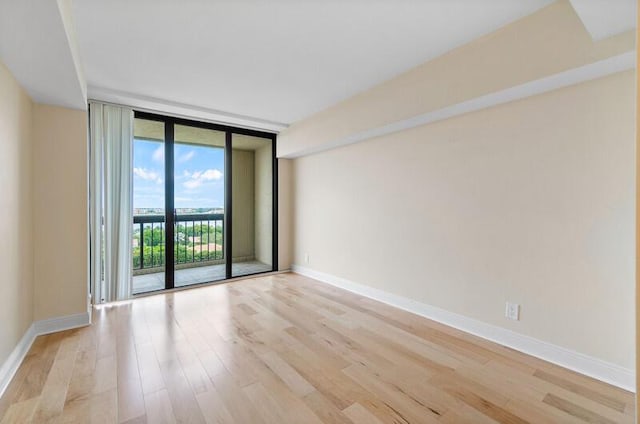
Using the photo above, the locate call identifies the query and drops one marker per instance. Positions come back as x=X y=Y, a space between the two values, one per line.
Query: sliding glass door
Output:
x=198 y=181
x=252 y=205
x=204 y=202
x=149 y=224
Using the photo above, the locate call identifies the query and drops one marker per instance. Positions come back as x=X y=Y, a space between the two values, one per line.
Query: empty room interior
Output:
x=353 y=212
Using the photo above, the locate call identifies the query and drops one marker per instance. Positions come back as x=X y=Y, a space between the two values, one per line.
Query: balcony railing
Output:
x=198 y=240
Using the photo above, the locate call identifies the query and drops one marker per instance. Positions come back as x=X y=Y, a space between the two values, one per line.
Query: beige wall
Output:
x=637 y=218
x=16 y=204
x=530 y=202
x=264 y=204
x=544 y=43
x=285 y=214
x=60 y=211
x=43 y=177
x=243 y=171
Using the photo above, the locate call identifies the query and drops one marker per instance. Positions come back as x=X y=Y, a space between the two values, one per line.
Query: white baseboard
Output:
x=38 y=328
x=11 y=365
x=53 y=325
x=581 y=363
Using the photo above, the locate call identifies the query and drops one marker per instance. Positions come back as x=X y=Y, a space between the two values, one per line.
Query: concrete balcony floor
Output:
x=201 y=274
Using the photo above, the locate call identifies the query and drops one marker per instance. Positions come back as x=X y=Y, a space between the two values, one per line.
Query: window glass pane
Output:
x=198 y=155
x=148 y=241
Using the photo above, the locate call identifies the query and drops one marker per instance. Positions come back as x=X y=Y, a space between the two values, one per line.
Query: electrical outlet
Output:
x=306 y=258
x=512 y=311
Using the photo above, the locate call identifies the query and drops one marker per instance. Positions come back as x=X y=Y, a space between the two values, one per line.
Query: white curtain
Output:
x=111 y=133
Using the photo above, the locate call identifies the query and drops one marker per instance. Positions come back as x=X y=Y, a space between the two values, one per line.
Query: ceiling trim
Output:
x=182 y=110
x=567 y=78
x=603 y=18
x=66 y=14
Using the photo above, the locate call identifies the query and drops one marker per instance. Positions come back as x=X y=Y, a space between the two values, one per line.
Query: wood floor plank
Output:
x=240 y=407
x=334 y=385
x=54 y=392
x=158 y=407
x=287 y=349
x=192 y=367
x=404 y=404
x=358 y=414
x=486 y=407
x=38 y=365
x=20 y=412
x=296 y=383
x=129 y=386
x=149 y=368
x=468 y=415
x=183 y=400
x=335 y=360
x=272 y=413
x=213 y=407
x=324 y=409
x=540 y=413
x=104 y=407
x=106 y=374
x=522 y=382
x=576 y=410
x=596 y=396
x=77 y=403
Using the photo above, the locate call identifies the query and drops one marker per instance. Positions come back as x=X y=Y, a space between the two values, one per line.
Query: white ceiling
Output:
x=37 y=44
x=272 y=60
x=255 y=63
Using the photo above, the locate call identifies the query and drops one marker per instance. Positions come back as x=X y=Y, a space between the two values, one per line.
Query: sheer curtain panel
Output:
x=110 y=193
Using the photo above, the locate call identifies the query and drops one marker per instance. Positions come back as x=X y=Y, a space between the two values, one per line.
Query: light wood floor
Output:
x=287 y=349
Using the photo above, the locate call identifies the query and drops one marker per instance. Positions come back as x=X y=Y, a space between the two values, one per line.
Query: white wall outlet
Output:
x=512 y=311
x=306 y=258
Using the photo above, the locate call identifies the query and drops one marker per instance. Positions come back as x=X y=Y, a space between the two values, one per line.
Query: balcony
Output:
x=199 y=252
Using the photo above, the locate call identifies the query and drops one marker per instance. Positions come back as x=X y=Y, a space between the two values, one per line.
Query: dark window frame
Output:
x=169 y=126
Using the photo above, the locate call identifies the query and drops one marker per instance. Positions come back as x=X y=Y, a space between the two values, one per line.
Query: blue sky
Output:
x=199 y=175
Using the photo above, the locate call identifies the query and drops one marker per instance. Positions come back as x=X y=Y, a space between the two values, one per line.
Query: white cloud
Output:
x=158 y=154
x=211 y=175
x=197 y=178
x=147 y=174
x=186 y=157
x=191 y=184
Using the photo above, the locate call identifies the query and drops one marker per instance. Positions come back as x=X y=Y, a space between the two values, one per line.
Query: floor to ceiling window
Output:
x=204 y=202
